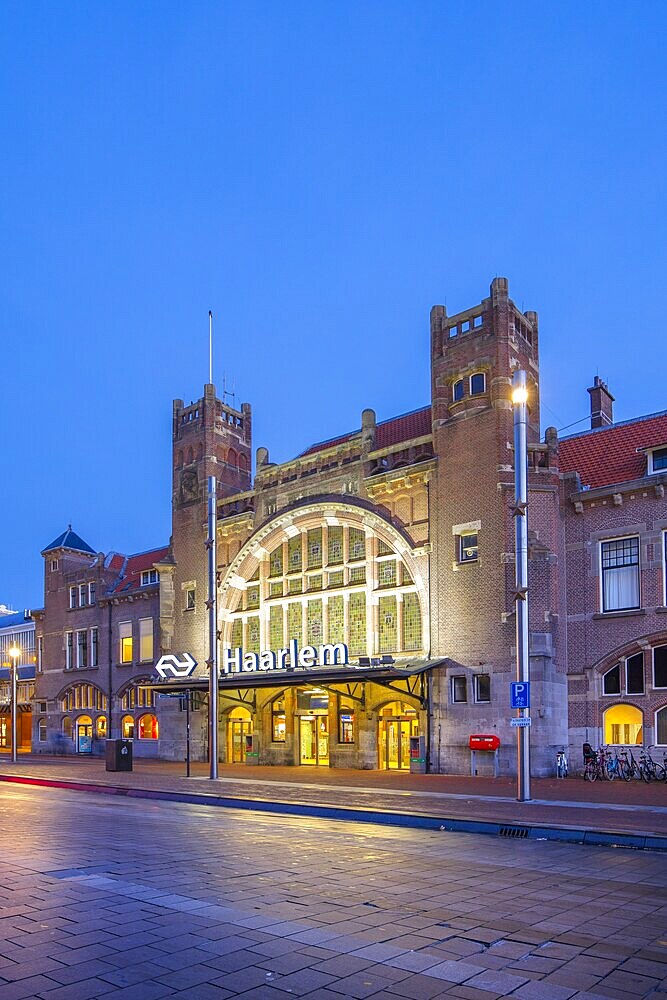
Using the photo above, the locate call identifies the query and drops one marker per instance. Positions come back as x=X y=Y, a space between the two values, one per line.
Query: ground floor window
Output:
x=148 y=727
x=278 y=721
x=345 y=721
x=623 y=726
x=42 y=731
x=101 y=727
x=127 y=727
x=67 y=727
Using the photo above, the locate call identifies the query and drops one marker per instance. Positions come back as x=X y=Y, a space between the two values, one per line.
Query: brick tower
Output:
x=473 y=356
x=209 y=438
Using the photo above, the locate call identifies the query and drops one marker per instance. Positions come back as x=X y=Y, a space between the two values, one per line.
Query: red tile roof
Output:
x=136 y=564
x=390 y=432
x=609 y=455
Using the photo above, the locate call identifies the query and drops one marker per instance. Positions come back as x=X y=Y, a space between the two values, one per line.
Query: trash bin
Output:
x=119 y=755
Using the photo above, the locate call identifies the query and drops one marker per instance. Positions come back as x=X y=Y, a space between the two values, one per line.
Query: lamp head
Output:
x=519 y=395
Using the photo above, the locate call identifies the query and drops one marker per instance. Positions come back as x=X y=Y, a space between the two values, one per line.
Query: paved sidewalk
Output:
x=579 y=810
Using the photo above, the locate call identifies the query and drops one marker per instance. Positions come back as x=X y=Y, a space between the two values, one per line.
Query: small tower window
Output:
x=458 y=390
x=477 y=383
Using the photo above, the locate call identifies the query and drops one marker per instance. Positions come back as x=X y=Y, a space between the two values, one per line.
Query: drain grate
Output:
x=515 y=832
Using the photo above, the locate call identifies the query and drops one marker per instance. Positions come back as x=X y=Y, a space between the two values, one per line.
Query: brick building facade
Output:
x=394 y=542
x=97 y=640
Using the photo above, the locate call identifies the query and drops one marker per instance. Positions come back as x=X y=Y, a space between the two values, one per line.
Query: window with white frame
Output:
x=661 y=727
x=477 y=383
x=94 y=648
x=82 y=649
x=657 y=460
x=125 y=642
x=42 y=731
x=611 y=680
x=189 y=597
x=69 y=650
x=459 y=690
x=73 y=597
x=634 y=674
x=149 y=576
x=482 y=688
x=83 y=595
x=660 y=666
x=458 y=390
x=40 y=652
x=145 y=639
x=54 y=565
x=92 y=590
x=620 y=574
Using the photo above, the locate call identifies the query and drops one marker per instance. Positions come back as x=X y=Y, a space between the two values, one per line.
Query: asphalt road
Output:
x=148 y=899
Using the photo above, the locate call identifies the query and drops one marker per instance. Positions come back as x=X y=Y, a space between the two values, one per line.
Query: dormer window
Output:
x=149 y=576
x=458 y=390
x=657 y=460
x=477 y=383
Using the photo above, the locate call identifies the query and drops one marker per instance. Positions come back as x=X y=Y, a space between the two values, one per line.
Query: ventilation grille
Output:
x=515 y=832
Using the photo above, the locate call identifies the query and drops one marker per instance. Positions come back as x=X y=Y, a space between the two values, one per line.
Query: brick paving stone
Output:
x=627 y=981
x=416 y=988
x=499 y=982
x=302 y=982
x=455 y=971
x=284 y=964
x=539 y=990
x=245 y=979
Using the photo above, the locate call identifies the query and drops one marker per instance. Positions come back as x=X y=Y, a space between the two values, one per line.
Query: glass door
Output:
x=314 y=740
x=238 y=730
x=394 y=742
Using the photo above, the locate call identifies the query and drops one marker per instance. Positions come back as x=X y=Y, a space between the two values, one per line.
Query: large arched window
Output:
x=325 y=578
x=84 y=696
x=127 y=727
x=67 y=727
x=623 y=726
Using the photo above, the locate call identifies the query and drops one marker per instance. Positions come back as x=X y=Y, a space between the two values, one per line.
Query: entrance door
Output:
x=84 y=737
x=314 y=739
x=238 y=730
x=394 y=732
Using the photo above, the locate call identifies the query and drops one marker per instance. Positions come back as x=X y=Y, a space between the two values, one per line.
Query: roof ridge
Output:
x=351 y=434
x=611 y=427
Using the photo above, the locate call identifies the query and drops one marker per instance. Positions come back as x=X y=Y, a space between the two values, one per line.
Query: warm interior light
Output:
x=519 y=395
x=14 y=652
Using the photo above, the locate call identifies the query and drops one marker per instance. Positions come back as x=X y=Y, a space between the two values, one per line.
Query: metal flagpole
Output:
x=212 y=606
x=210 y=347
x=519 y=398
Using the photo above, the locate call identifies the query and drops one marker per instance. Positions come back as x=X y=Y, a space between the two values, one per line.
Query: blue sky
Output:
x=319 y=175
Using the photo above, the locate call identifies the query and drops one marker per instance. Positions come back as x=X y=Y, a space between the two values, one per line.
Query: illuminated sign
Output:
x=170 y=664
x=328 y=654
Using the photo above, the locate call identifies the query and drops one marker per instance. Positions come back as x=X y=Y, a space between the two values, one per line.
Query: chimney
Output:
x=601 y=404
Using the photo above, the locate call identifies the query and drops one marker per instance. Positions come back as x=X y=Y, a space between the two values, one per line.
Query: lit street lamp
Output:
x=15 y=653
x=519 y=399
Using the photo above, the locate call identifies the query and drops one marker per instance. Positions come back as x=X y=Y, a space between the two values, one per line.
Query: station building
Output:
x=366 y=587
x=17 y=632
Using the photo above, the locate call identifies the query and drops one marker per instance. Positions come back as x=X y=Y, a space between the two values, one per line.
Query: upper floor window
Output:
x=69 y=650
x=149 y=576
x=482 y=688
x=54 y=565
x=83 y=595
x=82 y=649
x=459 y=690
x=634 y=674
x=468 y=551
x=477 y=383
x=145 y=639
x=620 y=574
x=94 y=648
x=657 y=460
x=458 y=390
x=190 y=598
x=73 y=597
x=92 y=591
x=611 y=680
x=125 y=642
x=660 y=666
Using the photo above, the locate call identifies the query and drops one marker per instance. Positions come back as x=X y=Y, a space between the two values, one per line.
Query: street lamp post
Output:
x=519 y=400
x=15 y=653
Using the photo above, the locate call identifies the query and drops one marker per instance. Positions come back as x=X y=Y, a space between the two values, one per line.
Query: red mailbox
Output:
x=482 y=741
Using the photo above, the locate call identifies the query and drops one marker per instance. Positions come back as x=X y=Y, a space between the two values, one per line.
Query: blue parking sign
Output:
x=520 y=694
